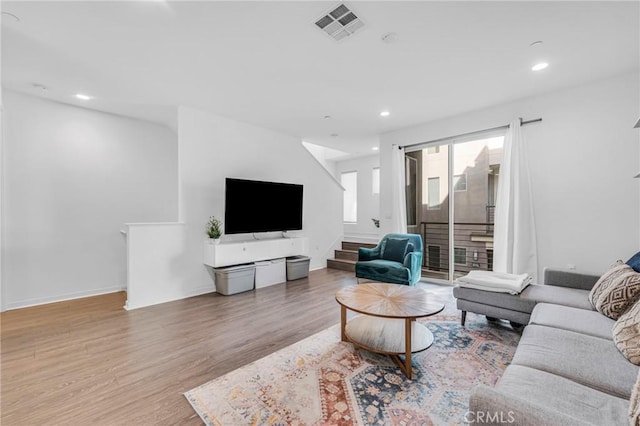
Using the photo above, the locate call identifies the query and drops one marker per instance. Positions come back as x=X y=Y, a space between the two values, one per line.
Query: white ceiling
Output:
x=266 y=63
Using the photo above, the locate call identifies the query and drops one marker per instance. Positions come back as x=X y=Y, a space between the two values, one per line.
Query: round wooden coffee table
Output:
x=388 y=324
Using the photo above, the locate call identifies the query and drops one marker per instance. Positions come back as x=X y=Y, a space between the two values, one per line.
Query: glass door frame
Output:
x=450 y=143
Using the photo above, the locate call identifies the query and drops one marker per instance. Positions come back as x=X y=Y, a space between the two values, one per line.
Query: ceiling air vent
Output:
x=340 y=22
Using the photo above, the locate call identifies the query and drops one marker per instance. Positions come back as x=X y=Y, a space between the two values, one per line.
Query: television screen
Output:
x=255 y=206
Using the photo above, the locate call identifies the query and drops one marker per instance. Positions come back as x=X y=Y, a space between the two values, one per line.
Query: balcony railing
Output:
x=473 y=247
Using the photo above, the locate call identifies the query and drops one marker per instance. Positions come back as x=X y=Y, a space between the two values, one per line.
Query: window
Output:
x=433 y=189
x=349 y=181
x=375 y=180
x=460 y=255
x=489 y=259
x=433 y=149
x=433 y=257
x=460 y=182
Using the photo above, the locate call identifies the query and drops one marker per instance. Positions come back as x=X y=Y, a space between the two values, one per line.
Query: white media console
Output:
x=238 y=252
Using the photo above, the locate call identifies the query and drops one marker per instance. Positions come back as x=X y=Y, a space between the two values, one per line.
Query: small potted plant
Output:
x=214 y=229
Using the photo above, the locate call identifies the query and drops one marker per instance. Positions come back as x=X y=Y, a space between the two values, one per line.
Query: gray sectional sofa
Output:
x=566 y=369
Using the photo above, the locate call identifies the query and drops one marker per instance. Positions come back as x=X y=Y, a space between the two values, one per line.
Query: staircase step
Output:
x=342 y=264
x=348 y=245
x=346 y=254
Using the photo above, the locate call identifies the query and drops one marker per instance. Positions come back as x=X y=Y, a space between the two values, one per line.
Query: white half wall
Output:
x=156 y=259
x=364 y=229
x=212 y=148
x=71 y=178
x=583 y=157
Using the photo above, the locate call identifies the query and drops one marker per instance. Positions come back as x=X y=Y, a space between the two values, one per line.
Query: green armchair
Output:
x=396 y=259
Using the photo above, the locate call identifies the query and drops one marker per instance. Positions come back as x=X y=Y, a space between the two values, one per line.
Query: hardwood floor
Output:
x=89 y=361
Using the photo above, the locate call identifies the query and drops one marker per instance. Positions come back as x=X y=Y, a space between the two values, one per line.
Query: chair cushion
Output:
x=626 y=334
x=383 y=270
x=616 y=291
x=634 y=262
x=395 y=249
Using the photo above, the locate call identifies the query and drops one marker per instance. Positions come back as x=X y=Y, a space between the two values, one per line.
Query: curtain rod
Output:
x=506 y=126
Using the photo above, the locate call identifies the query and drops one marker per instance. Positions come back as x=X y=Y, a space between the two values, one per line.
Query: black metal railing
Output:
x=473 y=247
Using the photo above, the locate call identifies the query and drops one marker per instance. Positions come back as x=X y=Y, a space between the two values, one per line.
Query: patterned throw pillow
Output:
x=634 y=404
x=616 y=290
x=623 y=292
x=626 y=334
x=604 y=281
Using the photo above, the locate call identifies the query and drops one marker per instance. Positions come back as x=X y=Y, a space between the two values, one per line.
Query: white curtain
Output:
x=514 y=244
x=398 y=191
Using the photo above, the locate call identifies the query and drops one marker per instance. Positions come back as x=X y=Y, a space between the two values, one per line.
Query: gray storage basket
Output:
x=297 y=267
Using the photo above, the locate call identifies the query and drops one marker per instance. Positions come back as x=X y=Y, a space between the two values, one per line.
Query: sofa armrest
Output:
x=489 y=406
x=366 y=254
x=569 y=278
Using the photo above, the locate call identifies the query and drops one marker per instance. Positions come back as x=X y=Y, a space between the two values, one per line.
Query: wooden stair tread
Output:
x=342 y=264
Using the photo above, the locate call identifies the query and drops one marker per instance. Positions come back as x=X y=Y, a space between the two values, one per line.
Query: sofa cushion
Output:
x=626 y=334
x=568 y=318
x=500 y=300
x=619 y=293
x=574 y=297
x=634 y=262
x=395 y=249
x=554 y=393
x=590 y=361
x=493 y=311
x=634 y=404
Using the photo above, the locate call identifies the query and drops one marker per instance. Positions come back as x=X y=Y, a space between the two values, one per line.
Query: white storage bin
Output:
x=235 y=279
x=270 y=272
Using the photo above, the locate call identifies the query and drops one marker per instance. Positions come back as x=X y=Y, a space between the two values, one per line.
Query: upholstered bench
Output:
x=559 y=287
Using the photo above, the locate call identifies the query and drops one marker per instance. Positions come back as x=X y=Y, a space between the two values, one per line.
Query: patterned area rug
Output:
x=321 y=380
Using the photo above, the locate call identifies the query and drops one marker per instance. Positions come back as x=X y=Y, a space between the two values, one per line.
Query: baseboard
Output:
x=61 y=298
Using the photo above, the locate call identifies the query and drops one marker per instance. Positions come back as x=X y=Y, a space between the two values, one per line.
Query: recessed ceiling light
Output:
x=540 y=66
x=83 y=97
x=385 y=114
x=375 y=148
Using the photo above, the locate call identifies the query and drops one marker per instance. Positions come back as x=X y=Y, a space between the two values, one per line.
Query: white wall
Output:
x=368 y=202
x=320 y=154
x=72 y=178
x=213 y=148
x=582 y=157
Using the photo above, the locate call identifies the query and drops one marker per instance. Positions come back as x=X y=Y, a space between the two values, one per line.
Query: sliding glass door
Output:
x=455 y=184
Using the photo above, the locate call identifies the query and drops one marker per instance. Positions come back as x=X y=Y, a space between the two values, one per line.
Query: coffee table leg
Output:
x=407 y=342
x=343 y=323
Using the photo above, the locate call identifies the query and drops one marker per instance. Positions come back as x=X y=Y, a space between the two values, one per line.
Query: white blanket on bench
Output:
x=499 y=282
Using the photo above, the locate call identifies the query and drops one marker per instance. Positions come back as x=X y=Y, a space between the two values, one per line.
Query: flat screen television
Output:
x=256 y=206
